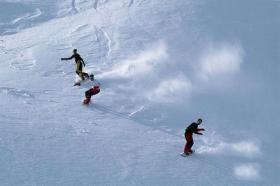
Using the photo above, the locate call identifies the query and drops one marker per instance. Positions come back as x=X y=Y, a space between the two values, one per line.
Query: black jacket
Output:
x=193 y=128
x=77 y=58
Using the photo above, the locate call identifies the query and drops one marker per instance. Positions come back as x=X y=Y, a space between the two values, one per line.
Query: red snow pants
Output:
x=189 y=142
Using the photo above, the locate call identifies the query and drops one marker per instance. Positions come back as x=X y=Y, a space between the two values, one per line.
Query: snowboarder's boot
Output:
x=77 y=84
x=184 y=154
x=85 y=75
x=86 y=101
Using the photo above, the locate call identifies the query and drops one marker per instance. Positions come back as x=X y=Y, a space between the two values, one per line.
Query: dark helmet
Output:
x=75 y=50
x=199 y=120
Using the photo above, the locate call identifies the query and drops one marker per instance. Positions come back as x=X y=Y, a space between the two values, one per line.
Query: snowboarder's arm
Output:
x=199 y=133
x=67 y=58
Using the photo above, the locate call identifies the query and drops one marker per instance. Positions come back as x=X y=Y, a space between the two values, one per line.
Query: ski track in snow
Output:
x=36 y=14
x=2 y=47
x=24 y=60
x=104 y=42
x=135 y=112
x=127 y=116
x=74 y=8
x=95 y=4
x=133 y=149
x=130 y=3
x=108 y=42
x=106 y=110
x=95 y=41
x=80 y=28
x=140 y=2
x=25 y=65
x=16 y=92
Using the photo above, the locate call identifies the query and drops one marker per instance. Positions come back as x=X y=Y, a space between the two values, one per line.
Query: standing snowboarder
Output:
x=79 y=64
x=192 y=128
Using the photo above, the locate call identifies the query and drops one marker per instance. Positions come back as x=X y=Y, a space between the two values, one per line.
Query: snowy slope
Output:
x=161 y=65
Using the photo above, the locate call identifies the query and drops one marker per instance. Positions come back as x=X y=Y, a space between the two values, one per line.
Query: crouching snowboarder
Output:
x=192 y=128
x=92 y=91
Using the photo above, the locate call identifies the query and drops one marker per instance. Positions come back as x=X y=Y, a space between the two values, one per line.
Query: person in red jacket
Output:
x=92 y=91
x=192 y=128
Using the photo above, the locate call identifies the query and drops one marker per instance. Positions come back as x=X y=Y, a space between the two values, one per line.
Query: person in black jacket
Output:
x=192 y=128
x=79 y=63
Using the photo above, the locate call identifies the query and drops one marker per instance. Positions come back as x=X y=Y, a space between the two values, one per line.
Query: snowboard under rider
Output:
x=90 y=92
x=79 y=64
x=192 y=128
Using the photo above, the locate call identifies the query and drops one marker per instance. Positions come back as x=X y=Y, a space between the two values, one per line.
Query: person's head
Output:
x=199 y=121
x=75 y=51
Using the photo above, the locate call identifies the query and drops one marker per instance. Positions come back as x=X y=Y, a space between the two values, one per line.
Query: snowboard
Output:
x=185 y=155
x=86 y=78
x=86 y=102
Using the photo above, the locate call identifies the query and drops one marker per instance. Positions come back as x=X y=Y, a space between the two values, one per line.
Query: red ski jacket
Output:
x=94 y=90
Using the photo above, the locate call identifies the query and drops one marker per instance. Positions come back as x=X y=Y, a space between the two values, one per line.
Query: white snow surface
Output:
x=161 y=65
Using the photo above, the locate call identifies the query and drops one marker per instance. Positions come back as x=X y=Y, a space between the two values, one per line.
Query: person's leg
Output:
x=88 y=96
x=79 y=70
x=186 y=149
x=86 y=101
x=189 y=143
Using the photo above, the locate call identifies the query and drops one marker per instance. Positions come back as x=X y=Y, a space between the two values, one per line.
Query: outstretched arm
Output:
x=199 y=133
x=68 y=58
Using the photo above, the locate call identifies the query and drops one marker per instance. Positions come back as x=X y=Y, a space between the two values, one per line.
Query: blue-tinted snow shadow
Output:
x=15 y=16
x=9 y=11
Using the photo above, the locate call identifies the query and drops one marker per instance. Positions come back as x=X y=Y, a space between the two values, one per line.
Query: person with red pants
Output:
x=92 y=91
x=192 y=128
